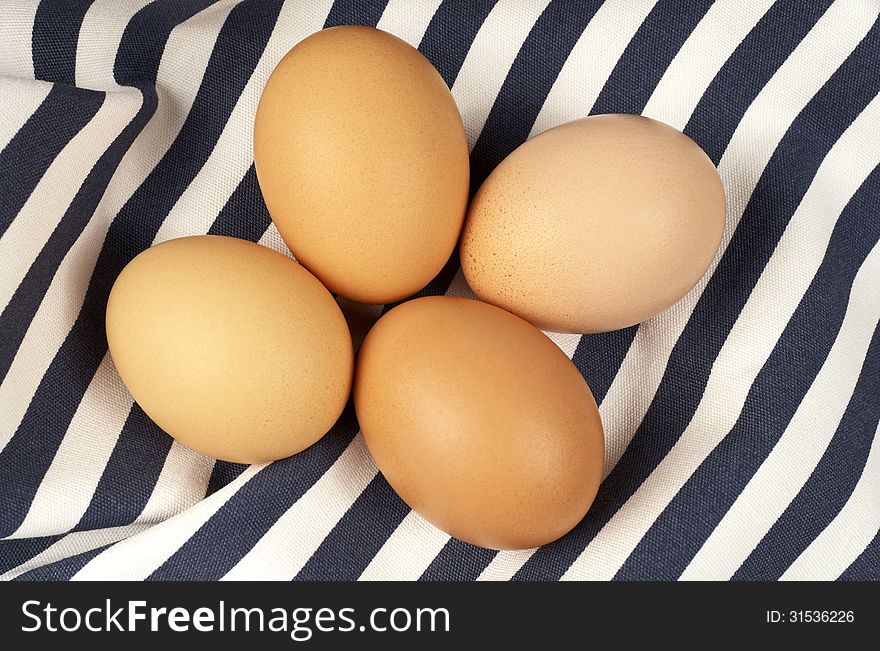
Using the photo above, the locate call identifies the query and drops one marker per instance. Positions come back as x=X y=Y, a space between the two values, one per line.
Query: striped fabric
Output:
x=741 y=424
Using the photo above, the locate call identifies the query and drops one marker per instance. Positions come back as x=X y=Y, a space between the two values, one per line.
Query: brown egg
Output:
x=479 y=422
x=594 y=225
x=233 y=349
x=363 y=162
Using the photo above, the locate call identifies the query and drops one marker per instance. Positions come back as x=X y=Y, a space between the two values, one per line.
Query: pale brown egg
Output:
x=233 y=349
x=594 y=225
x=479 y=422
x=362 y=159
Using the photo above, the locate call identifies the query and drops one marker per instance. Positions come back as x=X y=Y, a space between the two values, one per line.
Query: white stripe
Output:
x=99 y=37
x=20 y=98
x=73 y=544
x=182 y=482
x=39 y=216
x=755 y=139
x=788 y=467
x=135 y=558
x=397 y=560
x=180 y=72
x=66 y=491
x=272 y=239
x=760 y=324
x=489 y=60
x=591 y=62
x=283 y=551
x=849 y=533
x=695 y=65
x=505 y=564
x=16 y=30
x=407 y=19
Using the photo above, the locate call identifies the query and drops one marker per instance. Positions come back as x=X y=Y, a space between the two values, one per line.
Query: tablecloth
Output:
x=741 y=424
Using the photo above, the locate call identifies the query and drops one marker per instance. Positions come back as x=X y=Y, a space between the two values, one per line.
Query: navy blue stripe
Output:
x=867 y=566
x=143 y=41
x=244 y=519
x=223 y=473
x=15 y=552
x=648 y=55
x=61 y=570
x=358 y=536
x=599 y=356
x=245 y=214
x=458 y=561
x=744 y=74
x=451 y=32
x=770 y=207
x=139 y=455
x=691 y=516
x=130 y=475
x=27 y=156
x=355 y=12
x=830 y=484
x=64 y=383
x=531 y=76
x=54 y=37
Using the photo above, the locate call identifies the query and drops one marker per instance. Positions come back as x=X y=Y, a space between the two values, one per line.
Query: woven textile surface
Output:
x=741 y=424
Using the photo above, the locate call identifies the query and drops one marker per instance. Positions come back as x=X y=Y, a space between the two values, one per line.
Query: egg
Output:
x=233 y=349
x=362 y=160
x=479 y=422
x=594 y=225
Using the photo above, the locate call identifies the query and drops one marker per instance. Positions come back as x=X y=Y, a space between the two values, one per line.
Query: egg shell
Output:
x=362 y=160
x=479 y=422
x=233 y=349
x=594 y=225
